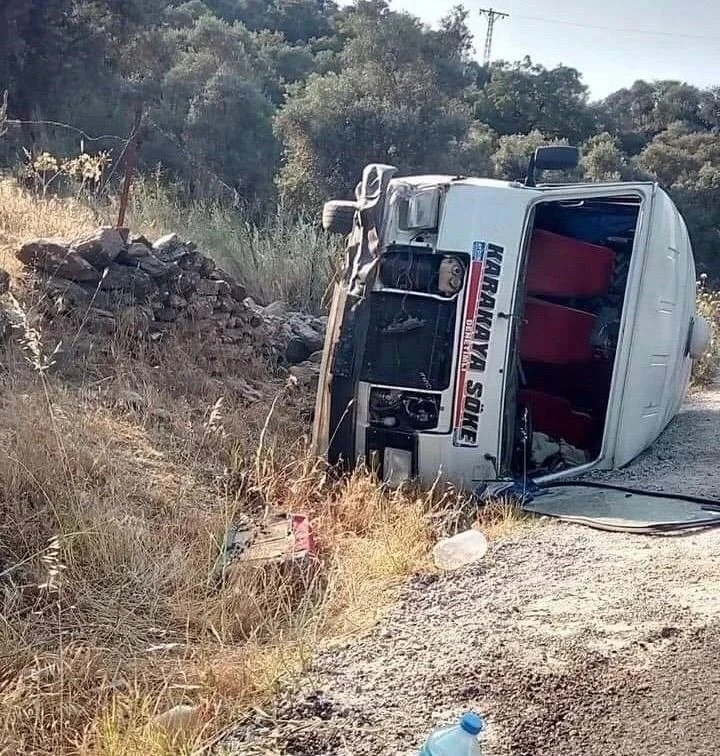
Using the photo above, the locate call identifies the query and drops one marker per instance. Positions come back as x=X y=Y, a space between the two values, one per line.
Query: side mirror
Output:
x=552 y=158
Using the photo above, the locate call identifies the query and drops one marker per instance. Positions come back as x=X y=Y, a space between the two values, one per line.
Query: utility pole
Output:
x=492 y=16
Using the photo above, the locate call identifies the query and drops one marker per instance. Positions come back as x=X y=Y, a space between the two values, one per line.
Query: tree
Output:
x=214 y=107
x=386 y=104
x=603 y=160
x=513 y=154
x=523 y=97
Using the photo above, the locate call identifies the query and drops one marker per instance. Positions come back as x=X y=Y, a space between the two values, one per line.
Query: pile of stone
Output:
x=110 y=280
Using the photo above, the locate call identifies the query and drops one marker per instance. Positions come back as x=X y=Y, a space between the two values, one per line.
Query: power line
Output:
x=492 y=16
x=626 y=30
x=84 y=135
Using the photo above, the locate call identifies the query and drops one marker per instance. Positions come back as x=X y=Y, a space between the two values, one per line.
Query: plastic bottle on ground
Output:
x=460 y=550
x=459 y=740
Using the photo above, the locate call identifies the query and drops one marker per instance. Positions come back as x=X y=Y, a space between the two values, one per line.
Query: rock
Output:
x=101 y=247
x=4 y=281
x=315 y=358
x=200 y=309
x=312 y=339
x=277 y=309
x=130 y=400
x=133 y=280
x=74 y=294
x=153 y=267
x=56 y=257
x=460 y=550
x=134 y=252
x=167 y=315
x=209 y=287
x=296 y=351
x=176 y=301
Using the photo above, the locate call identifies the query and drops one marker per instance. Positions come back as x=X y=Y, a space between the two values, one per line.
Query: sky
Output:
x=641 y=39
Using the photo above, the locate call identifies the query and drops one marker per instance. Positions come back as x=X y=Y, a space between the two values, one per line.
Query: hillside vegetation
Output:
x=254 y=99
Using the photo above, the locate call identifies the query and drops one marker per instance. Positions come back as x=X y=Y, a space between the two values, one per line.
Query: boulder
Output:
x=4 y=282
x=73 y=293
x=314 y=340
x=200 y=309
x=212 y=288
x=170 y=248
x=56 y=257
x=131 y=280
x=134 y=252
x=154 y=267
x=101 y=247
x=176 y=301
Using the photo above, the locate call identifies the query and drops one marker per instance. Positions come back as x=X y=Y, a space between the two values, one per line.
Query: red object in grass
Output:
x=302 y=542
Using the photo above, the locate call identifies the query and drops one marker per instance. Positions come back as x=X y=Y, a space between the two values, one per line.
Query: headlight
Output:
x=397 y=466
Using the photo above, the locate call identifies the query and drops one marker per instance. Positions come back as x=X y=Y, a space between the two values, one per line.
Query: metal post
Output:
x=131 y=159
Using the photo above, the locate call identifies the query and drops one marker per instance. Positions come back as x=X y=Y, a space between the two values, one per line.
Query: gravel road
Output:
x=571 y=641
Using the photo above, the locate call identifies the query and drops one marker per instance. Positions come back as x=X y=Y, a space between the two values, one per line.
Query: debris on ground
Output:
x=280 y=540
x=460 y=550
x=571 y=641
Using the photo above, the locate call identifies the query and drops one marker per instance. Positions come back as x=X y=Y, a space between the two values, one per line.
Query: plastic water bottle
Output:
x=459 y=740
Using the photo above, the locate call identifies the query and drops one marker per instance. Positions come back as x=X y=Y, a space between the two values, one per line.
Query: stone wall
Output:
x=111 y=280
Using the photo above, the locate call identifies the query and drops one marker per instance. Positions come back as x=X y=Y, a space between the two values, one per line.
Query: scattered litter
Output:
x=460 y=550
x=182 y=722
x=283 y=539
x=163 y=647
x=459 y=740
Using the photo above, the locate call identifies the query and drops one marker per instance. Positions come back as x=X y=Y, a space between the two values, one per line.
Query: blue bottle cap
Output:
x=472 y=723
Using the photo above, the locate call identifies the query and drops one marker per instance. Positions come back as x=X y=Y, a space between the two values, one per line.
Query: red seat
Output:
x=565 y=267
x=555 y=334
x=555 y=417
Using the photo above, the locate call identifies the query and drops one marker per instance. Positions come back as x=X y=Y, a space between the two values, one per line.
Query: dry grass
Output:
x=111 y=518
x=705 y=370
